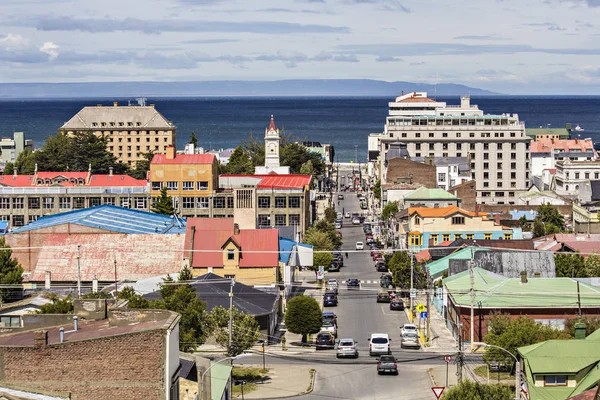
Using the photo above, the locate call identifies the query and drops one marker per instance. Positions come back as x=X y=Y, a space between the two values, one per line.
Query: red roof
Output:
x=284 y=181
x=68 y=175
x=184 y=159
x=259 y=247
x=97 y=180
x=272 y=124
x=16 y=181
x=567 y=145
x=116 y=180
x=422 y=256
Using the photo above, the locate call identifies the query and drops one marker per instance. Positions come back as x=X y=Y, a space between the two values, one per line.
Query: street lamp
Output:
x=215 y=363
x=517 y=365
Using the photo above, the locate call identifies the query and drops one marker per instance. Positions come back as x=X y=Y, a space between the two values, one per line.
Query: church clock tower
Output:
x=272 y=146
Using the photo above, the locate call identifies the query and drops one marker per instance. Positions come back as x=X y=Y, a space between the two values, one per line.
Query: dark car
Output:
x=383 y=297
x=353 y=283
x=334 y=267
x=324 y=340
x=385 y=281
x=397 y=305
x=380 y=266
x=330 y=300
x=387 y=364
x=329 y=316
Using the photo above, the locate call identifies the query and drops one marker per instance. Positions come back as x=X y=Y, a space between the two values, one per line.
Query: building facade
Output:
x=496 y=145
x=11 y=148
x=546 y=152
x=272 y=148
x=131 y=130
x=570 y=176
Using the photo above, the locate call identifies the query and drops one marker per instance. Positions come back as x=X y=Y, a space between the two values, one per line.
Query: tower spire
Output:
x=272 y=124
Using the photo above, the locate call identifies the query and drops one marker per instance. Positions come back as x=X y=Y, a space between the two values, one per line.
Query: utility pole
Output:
x=79 y=271
x=459 y=364
x=231 y=313
x=116 y=281
x=428 y=310
x=472 y=293
x=411 y=283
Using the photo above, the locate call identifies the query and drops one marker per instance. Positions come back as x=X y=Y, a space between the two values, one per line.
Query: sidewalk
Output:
x=441 y=339
x=284 y=381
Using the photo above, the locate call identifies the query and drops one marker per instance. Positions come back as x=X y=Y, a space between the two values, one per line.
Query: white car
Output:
x=379 y=343
x=360 y=246
x=332 y=282
x=347 y=215
x=339 y=215
x=355 y=221
x=330 y=327
x=408 y=328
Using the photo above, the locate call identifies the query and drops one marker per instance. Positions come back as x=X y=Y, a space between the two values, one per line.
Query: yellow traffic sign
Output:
x=420 y=307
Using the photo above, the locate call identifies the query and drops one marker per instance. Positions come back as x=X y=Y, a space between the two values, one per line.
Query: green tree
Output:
x=570 y=265
x=25 y=162
x=244 y=333
x=303 y=316
x=295 y=155
x=142 y=166
x=399 y=266
x=592 y=324
x=134 y=300
x=330 y=215
x=377 y=190
x=478 y=391
x=592 y=265
x=239 y=163
x=185 y=274
x=390 y=209
x=11 y=272
x=321 y=241
x=9 y=169
x=548 y=221
x=97 y=295
x=307 y=168
x=163 y=204
x=524 y=224
x=194 y=140
x=58 y=305
x=512 y=333
x=329 y=229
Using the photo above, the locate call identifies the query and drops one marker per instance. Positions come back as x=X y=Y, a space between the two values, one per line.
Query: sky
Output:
x=507 y=46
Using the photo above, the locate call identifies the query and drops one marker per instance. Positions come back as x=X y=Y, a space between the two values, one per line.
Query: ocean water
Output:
x=343 y=122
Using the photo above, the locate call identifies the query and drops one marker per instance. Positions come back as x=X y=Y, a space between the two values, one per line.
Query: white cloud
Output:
x=51 y=49
x=13 y=42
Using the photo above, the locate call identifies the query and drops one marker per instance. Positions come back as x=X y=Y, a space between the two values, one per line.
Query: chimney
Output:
x=61 y=333
x=110 y=171
x=95 y=285
x=170 y=152
x=236 y=229
x=15 y=171
x=523 y=276
x=89 y=175
x=115 y=103
x=580 y=330
x=40 y=339
x=497 y=219
x=537 y=274
x=48 y=282
x=403 y=93
x=75 y=323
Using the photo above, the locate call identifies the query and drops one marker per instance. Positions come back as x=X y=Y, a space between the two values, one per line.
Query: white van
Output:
x=379 y=343
x=360 y=246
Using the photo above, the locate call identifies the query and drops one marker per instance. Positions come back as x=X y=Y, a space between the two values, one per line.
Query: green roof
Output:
x=219 y=376
x=438 y=267
x=424 y=193
x=563 y=132
x=497 y=291
x=594 y=335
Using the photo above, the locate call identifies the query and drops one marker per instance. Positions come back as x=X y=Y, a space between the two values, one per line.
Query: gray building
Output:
x=11 y=148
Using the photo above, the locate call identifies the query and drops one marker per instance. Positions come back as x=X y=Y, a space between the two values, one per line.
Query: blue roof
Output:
x=112 y=218
x=285 y=248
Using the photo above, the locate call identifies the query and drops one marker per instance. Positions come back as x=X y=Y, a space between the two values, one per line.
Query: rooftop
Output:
x=566 y=145
x=111 y=218
x=117 y=118
x=442 y=212
x=424 y=193
x=273 y=181
x=184 y=159
x=496 y=291
x=70 y=179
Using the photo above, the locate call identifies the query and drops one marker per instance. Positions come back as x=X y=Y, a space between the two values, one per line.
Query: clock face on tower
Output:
x=272 y=148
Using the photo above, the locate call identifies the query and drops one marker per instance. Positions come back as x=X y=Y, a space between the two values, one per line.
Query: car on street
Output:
x=397 y=305
x=385 y=281
x=356 y=221
x=330 y=327
x=387 y=365
x=383 y=297
x=353 y=283
x=329 y=316
x=347 y=348
x=380 y=267
x=410 y=339
x=360 y=246
x=330 y=300
x=339 y=215
x=347 y=215
x=376 y=255
x=334 y=267
x=340 y=197
x=408 y=328
x=332 y=286
x=324 y=340
x=338 y=225
x=370 y=240
x=379 y=343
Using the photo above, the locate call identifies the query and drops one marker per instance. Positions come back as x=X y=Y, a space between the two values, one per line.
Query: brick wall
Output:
x=399 y=169
x=119 y=367
x=467 y=194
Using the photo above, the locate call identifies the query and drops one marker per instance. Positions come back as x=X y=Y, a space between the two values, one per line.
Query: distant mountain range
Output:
x=295 y=87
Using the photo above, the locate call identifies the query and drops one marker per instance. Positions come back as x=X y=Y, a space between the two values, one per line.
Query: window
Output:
x=499 y=175
x=442 y=177
x=264 y=220
x=418 y=134
x=229 y=276
x=471 y=134
x=418 y=146
x=202 y=202
x=486 y=175
x=513 y=165
x=458 y=220
x=457 y=134
x=486 y=146
x=94 y=201
x=188 y=202
x=10 y=322
x=445 y=237
x=596 y=175
x=280 y=220
x=230 y=202
x=244 y=198
x=218 y=202
x=141 y=203
x=4 y=203
x=157 y=185
x=203 y=185
x=486 y=156
x=486 y=165
x=280 y=202
x=33 y=203
x=457 y=236
x=555 y=380
x=487 y=236
x=18 y=202
x=187 y=185
x=444 y=134
x=64 y=202
x=470 y=236
x=33 y=218
x=434 y=238
x=431 y=146
x=48 y=202
x=264 y=202
x=508 y=236
x=417 y=220
x=124 y=202
x=415 y=240
x=78 y=202
x=172 y=185
x=294 y=219
x=109 y=200
x=472 y=146
x=499 y=165
x=431 y=134
x=18 y=220
x=444 y=146
x=230 y=254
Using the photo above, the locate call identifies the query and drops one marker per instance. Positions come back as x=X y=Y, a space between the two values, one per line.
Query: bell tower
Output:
x=272 y=146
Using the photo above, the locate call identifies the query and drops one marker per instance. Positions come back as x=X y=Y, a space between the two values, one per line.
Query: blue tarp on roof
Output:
x=3 y=226
x=285 y=248
x=112 y=218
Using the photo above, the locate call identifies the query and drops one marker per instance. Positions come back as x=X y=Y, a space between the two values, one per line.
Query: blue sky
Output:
x=509 y=46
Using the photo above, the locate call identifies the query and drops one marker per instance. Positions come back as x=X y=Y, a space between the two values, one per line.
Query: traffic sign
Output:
x=321 y=268
x=447 y=358
x=439 y=292
x=438 y=390
x=423 y=314
x=320 y=275
x=413 y=293
x=420 y=307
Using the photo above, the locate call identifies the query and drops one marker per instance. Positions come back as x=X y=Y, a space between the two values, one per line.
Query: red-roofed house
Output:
x=251 y=256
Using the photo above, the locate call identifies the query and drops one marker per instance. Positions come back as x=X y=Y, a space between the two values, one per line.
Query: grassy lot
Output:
x=482 y=371
x=248 y=374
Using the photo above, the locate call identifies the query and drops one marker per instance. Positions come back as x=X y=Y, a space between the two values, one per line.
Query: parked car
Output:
x=332 y=286
x=353 y=283
x=408 y=328
x=370 y=240
x=355 y=221
x=383 y=297
x=330 y=300
x=379 y=343
x=376 y=255
x=324 y=340
x=347 y=348
x=385 y=280
x=410 y=339
x=387 y=364
x=334 y=267
x=330 y=327
x=329 y=316
x=347 y=215
x=340 y=197
x=380 y=267
x=360 y=246
x=338 y=225
x=397 y=304
x=340 y=215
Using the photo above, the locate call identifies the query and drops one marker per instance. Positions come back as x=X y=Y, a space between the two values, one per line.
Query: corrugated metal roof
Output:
x=424 y=193
x=284 y=181
x=112 y=218
x=104 y=180
x=561 y=356
x=184 y=159
x=427 y=212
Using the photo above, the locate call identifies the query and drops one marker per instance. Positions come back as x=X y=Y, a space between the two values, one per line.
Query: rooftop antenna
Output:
x=437 y=77
x=141 y=101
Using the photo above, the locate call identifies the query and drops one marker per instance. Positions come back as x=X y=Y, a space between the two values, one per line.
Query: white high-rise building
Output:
x=496 y=145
